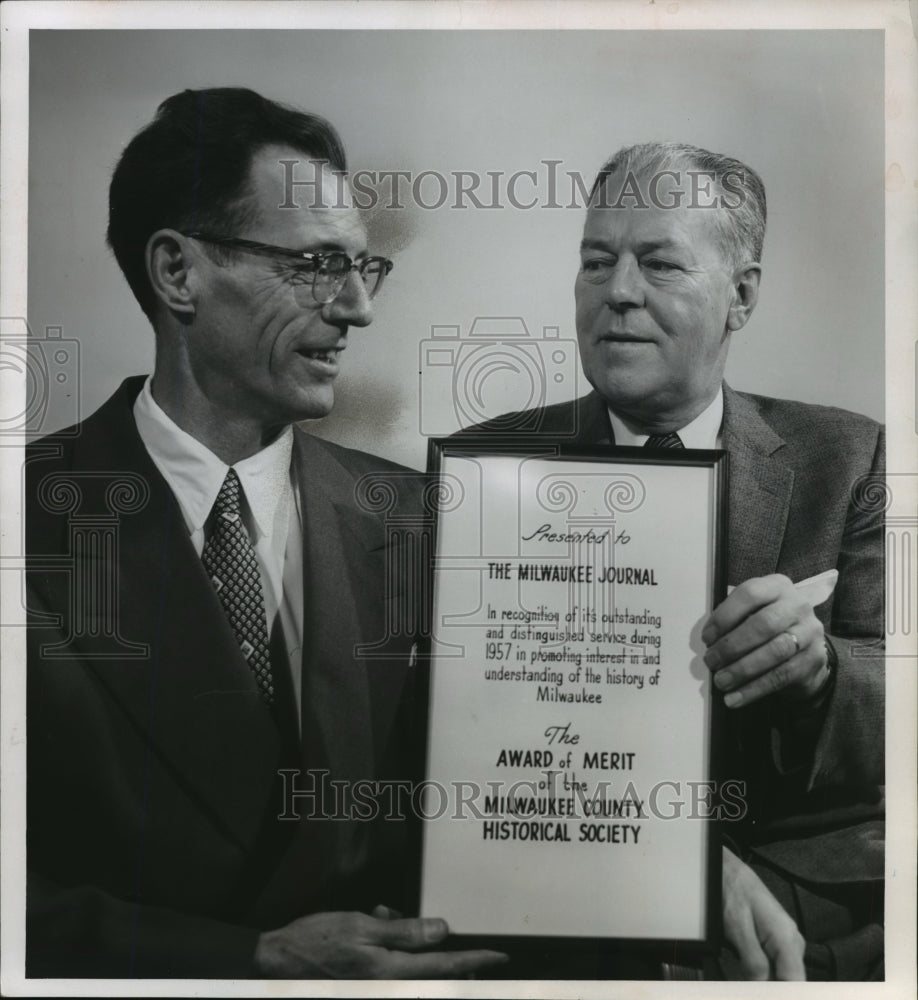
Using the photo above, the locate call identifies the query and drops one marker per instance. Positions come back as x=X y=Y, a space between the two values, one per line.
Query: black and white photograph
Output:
x=458 y=498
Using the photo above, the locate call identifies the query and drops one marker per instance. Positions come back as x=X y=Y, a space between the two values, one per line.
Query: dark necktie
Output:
x=670 y=440
x=229 y=559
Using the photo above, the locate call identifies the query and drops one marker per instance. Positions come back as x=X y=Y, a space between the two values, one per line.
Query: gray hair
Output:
x=741 y=225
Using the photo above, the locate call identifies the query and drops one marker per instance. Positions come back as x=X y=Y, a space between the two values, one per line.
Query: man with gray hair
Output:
x=670 y=266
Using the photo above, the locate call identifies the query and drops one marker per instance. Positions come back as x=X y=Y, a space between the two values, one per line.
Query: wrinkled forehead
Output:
x=289 y=179
x=295 y=194
x=651 y=226
x=669 y=204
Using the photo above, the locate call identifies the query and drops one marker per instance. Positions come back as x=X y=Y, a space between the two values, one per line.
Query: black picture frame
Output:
x=570 y=934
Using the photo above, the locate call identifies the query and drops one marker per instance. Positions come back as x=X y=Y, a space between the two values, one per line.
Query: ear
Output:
x=168 y=260
x=746 y=280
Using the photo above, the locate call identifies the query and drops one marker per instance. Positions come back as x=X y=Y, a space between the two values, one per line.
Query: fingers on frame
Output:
x=759 y=679
x=752 y=957
x=761 y=627
x=784 y=945
x=789 y=965
x=437 y=964
x=747 y=598
x=406 y=934
x=778 y=660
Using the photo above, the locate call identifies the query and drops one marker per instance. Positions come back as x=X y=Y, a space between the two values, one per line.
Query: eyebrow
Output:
x=331 y=246
x=650 y=245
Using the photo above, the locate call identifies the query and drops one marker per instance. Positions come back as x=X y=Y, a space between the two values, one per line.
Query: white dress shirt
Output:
x=702 y=432
x=270 y=510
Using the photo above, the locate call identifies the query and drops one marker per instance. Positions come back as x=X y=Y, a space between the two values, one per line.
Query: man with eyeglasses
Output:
x=669 y=270
x=200 y=712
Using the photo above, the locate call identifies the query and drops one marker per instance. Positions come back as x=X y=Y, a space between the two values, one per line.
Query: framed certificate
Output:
x=571 y=784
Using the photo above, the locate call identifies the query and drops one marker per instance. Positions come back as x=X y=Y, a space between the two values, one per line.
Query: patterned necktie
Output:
x=229 y=559
x=670 y=440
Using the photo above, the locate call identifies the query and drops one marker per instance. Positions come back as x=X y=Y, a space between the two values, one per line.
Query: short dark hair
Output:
x=189 y=168
x=742 y=228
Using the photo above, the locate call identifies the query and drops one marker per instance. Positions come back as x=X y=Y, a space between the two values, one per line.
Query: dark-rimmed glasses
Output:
x=325 y=271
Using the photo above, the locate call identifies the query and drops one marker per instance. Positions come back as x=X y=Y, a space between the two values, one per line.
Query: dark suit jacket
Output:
x=805 y=495
x=153 y=840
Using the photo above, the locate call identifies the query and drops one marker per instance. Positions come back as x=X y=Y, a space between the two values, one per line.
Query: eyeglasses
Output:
x=326 y=271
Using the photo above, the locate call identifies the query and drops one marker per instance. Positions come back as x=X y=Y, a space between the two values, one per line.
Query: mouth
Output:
x=322 y=359
x=326 y=354
x=624 y=338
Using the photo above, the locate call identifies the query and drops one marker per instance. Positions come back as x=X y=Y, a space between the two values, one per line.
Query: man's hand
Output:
x=357 y=946
x=764 y=937
x=765 y=638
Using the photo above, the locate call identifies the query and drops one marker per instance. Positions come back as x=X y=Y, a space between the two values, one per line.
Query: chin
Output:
x=624 y=397
x=313 y=413
x=316 y=406
x=292 y=407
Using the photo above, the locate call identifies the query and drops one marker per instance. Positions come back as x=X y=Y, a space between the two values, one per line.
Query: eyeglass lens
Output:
x=334 y=269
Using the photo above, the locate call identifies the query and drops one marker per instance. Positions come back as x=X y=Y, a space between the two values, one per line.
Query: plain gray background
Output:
x=804 y=108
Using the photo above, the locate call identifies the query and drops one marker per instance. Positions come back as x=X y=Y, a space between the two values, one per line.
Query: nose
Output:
x=624 y=289
x=352 y=306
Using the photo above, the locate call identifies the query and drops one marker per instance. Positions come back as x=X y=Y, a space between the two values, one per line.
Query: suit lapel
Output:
x=592 y=417
x=760 y=483
x=341 y=594
x=760 y=490
x=337 y=540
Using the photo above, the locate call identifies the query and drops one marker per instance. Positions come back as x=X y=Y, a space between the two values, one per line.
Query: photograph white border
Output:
x=895 y=18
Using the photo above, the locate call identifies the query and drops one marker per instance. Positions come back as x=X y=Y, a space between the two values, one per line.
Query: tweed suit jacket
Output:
x=154 y=844
x=804 y=489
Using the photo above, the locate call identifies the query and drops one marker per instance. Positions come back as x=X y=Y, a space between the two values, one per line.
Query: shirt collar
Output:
x=265 y=477
x=195 y=474
x=702 y=432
